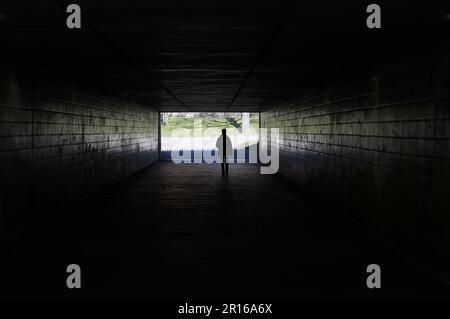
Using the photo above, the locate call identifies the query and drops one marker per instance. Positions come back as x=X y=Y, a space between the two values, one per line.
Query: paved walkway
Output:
x=185 y=231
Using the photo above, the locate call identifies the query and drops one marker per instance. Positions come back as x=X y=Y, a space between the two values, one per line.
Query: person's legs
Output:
x=223 y=168
x=226 y=166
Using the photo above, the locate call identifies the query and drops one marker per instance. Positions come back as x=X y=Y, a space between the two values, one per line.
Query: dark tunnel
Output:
x=363 y=150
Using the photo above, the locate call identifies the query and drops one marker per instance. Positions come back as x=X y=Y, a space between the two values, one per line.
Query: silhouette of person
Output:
x=225 y=148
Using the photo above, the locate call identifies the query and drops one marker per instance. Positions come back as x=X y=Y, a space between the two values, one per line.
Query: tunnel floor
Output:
x=183 y=231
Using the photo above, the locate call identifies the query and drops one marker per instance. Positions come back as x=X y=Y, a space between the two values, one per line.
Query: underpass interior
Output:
x=363 y=174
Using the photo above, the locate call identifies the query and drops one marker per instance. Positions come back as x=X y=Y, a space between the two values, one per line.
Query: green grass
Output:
x=188 y=123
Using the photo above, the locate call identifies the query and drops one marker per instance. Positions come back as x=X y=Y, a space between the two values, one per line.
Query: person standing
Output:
x=225 y=148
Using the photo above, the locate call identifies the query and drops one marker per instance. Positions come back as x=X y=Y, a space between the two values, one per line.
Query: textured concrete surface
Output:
x=364 y=122
x=184 y=231
x=378 y=148
x=205 y=52
x=59 y=144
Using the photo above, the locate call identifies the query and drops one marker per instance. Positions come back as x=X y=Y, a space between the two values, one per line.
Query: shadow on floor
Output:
x=183 y=231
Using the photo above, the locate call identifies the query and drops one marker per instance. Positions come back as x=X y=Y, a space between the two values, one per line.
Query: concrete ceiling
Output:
x=207 y=55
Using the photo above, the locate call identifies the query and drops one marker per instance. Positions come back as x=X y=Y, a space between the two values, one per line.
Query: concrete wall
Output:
x=378 y=148
x=59 y=145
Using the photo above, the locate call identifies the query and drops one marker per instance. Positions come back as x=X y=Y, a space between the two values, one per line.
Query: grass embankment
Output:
x=188 y=123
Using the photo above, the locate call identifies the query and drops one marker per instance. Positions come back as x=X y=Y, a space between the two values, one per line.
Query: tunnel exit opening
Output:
x=195 y=132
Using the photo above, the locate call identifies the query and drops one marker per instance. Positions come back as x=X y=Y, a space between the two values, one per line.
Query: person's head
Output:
x=224 y=131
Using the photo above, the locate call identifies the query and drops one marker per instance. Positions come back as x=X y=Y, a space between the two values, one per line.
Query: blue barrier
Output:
x=166 y=155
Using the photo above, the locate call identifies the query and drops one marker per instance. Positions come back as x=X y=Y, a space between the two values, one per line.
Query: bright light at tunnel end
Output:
x=268 y=154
